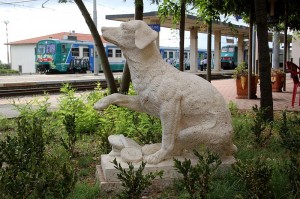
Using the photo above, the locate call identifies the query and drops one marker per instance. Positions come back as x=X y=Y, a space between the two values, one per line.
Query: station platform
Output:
x=227 y=87
x=36 y=79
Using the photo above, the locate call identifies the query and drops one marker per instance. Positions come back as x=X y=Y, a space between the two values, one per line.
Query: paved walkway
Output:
x=281 y=100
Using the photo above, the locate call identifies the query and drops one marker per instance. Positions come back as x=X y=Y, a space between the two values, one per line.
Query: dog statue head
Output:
x=130 y=35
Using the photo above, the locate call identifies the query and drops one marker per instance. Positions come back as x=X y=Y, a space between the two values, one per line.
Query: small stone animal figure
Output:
x=191 y=110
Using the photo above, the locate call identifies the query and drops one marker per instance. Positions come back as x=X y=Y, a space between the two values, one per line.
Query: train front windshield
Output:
x=46 y=49
x=228 y=49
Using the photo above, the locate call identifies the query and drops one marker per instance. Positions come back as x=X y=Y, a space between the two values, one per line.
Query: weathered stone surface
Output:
x=149 y=149
x=191 y=110
x=107 y=174
x=131 y=154
x=119 y=142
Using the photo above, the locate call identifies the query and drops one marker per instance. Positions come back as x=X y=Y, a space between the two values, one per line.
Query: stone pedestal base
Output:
x=106 y=174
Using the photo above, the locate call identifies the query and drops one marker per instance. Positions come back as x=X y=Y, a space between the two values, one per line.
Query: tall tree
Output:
x=181 y=34
x=99 y=45
x=266 y=100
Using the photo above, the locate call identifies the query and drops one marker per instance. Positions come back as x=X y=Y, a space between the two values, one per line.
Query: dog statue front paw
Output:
x=156 y=157
x=102 y=104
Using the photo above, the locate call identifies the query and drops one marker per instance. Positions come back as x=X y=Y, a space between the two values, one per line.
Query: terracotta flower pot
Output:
x=277 y=80
x=242 y=87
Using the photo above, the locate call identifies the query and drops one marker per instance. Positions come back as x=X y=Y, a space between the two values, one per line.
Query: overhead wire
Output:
x=15 y=2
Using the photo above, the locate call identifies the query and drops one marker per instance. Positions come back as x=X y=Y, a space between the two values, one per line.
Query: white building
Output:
x=22 y=53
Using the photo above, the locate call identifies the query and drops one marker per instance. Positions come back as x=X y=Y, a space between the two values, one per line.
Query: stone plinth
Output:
x=106 y=174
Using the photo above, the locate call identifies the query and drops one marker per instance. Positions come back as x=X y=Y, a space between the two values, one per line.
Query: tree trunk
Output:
x=139 y=10
x=208 y=69
x=181 y=33
x=99 y=46
x=250 y=51
x=266 y=101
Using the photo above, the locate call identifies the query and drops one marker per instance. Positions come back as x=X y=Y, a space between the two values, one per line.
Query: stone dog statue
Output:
x=191 y=110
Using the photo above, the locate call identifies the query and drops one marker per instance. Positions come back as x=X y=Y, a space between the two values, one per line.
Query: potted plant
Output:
x=277 y=79
x=240 y=74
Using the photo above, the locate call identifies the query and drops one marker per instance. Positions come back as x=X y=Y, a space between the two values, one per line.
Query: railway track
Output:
x=33 y=89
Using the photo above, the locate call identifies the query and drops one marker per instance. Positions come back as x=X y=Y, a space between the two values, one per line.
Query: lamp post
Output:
x=6 y=22
x=96 y=58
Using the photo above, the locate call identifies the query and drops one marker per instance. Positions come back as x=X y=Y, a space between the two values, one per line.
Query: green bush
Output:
x=28 y=170
x=196 y=179
x=6 y=69
x=290 y=140
x=86 y=118
x=134 y=182
x=261 y=129
x=256 y=175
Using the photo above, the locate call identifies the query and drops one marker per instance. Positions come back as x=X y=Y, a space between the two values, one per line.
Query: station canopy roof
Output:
x=229 y=30
x=190 y=22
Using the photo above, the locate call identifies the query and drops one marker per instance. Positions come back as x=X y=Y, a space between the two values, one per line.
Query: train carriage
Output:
x=115 y=57
x=64 y=56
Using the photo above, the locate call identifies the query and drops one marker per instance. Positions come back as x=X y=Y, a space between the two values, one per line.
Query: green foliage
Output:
x=241 y=127
x=5 y=69
x=240 y=70
x=290 y=141
x=146 y=129
x=169 y=8
x=86 y=117
x=6 y=124
x=27 y=170
x=142 y=127
x=233 y=108
x=85 y=191
x=5 y=66
x=290 y=133
x=256 y=174
x=208 y=10
x=134 y=182
x=261 y=128
x=196 y=179
x=70 y=125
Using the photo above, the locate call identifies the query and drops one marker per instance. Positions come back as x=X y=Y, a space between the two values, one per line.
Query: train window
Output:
x=75 y=52
x=63 y=48
x=118 y=53
x=185 y=55
x=41 y=49
x=171 y=54
x=224 y=50
x=109 y=53
x=165 y=55
x=231 y=49
x=50 y=49
x=86 y=52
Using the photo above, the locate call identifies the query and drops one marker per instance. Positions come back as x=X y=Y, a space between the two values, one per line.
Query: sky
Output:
x=34 y=18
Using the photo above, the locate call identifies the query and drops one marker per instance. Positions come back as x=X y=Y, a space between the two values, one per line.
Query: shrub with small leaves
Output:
x=72 y=135
x=86 y=117
x=196 y=179
x=256 y=174
x=134 y=182
x=261 y=129
x=27 y=170
x=290 y=140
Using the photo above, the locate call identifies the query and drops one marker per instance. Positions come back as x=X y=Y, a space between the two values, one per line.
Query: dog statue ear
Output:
x=144 y=35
